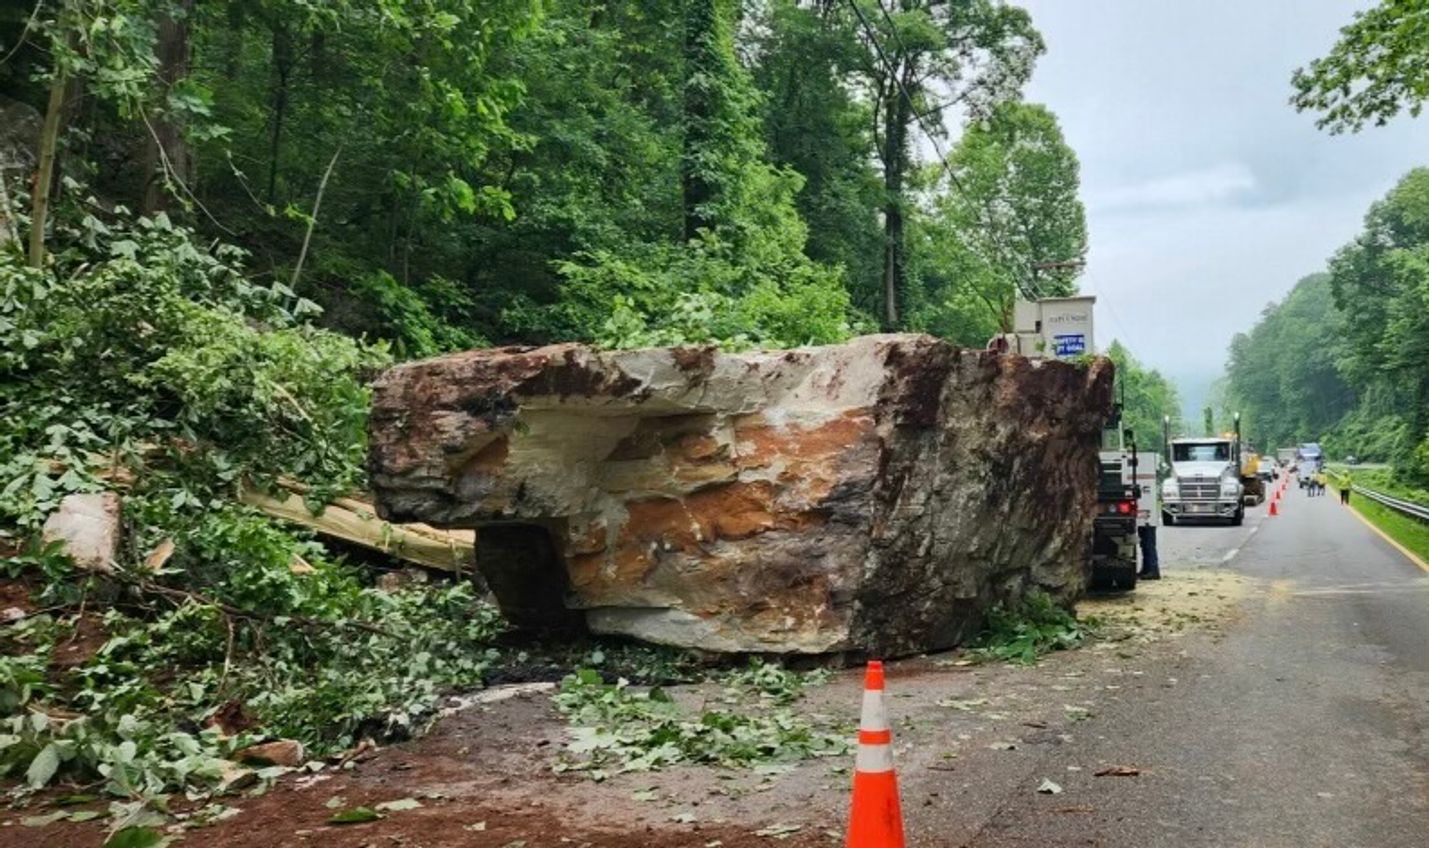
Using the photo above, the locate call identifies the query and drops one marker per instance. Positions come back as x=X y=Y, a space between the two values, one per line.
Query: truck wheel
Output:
x=1168 y=519
x=1239 y=518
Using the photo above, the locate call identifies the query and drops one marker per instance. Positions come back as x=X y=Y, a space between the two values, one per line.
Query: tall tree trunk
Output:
x=897 y=116
x=166 y=155
x=7 y=215
x=282 y=70
x=45 y=172
x=701 y=85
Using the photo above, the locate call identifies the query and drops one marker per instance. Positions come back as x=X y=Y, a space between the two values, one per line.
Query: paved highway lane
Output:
x=1305 y=724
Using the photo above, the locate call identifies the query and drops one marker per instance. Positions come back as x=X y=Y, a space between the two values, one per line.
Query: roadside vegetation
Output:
x=1023 y=632
x=1406 y=530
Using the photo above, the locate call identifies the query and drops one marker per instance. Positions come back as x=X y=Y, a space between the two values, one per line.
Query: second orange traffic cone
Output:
x=875 y=818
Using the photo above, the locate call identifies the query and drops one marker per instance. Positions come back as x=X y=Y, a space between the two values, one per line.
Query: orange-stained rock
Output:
x=873 y=496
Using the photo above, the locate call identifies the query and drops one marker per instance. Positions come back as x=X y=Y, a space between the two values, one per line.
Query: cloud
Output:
x=1218 y=184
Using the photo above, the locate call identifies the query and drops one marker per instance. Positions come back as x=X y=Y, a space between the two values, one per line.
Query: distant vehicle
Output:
x=1352 y=460
x=1285 y=456
x=1308 y=460
x=1205 y=481
x=1268 y=472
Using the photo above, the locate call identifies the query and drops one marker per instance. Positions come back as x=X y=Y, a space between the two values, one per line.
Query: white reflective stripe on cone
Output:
x=874 y=759
x=875 y=717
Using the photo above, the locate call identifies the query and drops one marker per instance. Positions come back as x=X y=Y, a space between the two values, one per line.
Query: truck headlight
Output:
x=1169 y=489
x=1230 y=488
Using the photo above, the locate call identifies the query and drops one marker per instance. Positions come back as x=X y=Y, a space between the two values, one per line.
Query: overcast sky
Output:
x=1207 y=195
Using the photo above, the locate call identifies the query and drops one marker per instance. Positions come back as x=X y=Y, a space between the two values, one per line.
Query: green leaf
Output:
x=43 y=766
x=356 y=815
x=136 y=837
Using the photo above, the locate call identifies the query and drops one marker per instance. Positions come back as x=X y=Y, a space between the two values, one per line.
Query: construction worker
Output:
x=1319 y=481
x=1345 y=492
x=1150 y=562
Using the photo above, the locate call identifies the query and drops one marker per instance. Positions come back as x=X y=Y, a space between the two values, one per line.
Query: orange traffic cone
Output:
x=875 y=820
x=1274 y=507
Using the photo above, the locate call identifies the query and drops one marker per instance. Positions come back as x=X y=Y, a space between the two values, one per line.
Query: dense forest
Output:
x=445 y=173
x=1344 y=358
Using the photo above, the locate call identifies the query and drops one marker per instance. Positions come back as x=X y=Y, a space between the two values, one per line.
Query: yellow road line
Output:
x=1408 y=554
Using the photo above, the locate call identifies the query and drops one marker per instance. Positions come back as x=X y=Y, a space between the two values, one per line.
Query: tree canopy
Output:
x=1147 y=398
x=1378 y=68
x=448 y=173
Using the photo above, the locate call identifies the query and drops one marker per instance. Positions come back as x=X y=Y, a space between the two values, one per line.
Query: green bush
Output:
x=1020 y=633
x=142 y=359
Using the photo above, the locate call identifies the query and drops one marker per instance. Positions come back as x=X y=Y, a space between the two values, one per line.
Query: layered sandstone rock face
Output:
x=874 y=496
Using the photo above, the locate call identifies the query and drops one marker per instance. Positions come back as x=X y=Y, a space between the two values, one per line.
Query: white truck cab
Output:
x=1204 y=481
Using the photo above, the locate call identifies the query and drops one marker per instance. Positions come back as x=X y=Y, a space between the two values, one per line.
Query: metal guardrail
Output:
x=1416 y=510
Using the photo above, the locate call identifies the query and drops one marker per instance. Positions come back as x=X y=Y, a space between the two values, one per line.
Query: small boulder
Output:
x=88 y=526
x=279 y=752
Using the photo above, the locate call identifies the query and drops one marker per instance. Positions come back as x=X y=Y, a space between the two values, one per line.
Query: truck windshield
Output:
x=1220 y=452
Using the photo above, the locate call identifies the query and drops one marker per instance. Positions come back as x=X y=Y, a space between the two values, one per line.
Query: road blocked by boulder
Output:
x=873 y=496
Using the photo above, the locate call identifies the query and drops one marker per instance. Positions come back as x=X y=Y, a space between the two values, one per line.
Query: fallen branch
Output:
x=349 y=518
x=353 y=520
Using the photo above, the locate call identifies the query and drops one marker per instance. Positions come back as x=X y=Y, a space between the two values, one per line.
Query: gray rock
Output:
x=88 y=526
x=19 y=134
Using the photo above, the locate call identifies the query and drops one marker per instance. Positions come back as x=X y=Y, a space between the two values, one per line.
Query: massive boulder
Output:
x=876 y=496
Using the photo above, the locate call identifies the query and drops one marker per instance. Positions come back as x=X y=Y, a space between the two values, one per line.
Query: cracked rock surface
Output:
x=875 y=496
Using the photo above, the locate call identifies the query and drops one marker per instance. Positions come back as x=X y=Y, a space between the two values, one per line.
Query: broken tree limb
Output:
x=353 y=520
x=349 y=518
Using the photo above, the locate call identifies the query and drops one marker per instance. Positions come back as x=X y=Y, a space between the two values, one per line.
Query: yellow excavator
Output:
x=1250 y=478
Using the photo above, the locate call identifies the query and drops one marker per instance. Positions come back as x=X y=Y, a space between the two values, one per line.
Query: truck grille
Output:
x=1198 y=488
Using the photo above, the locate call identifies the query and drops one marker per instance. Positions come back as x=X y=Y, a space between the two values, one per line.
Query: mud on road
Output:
x=965 y=736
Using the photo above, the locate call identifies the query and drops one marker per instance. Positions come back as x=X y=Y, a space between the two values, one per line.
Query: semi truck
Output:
x=1204 y=481
x=1308 y=460
x=1114 y=562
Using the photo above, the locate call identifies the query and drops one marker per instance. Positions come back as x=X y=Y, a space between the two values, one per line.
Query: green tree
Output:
x=1012 y=225
x=1146 y=397
x=1381 y=287
x=923 y=59
x=104 y=48
x=1378 y=68
x=1284 y=374
x=738 y=273
x=817 y=124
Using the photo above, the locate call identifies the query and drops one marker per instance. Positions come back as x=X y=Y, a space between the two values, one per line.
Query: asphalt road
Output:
x=1305 y=724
